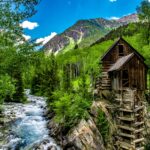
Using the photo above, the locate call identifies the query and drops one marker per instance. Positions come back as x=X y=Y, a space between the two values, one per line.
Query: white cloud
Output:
x=114 y=18
x=44 y=40
x=27 y=37
x=112 y=0
x=29 y=25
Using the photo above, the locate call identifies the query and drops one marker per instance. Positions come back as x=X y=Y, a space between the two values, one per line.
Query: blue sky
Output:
x=54 y=16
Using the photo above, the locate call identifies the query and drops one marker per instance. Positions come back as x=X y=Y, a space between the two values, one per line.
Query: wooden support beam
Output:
x=124 y=145
x=130 y=110
x=140 y=148
x=126 y=118
x=126 y=128
x=138 y=123
x=139 y=130
x=138 y=108
x=127 y=135
x=126 y=110
x=138 y=140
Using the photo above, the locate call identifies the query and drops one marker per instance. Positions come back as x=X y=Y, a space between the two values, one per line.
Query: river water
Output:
x=25 y=127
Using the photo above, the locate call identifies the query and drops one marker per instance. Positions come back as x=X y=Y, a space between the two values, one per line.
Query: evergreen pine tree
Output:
x=144 y=15
x=66 y=78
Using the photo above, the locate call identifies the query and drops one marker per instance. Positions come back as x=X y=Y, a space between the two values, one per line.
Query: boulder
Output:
x=86 y=136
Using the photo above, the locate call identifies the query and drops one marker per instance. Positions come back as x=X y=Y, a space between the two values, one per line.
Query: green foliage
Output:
x=69 y=108
x=144 y=11
x=67 y=77
x=147 y=147
x=144 y=15
x=103 y=125
x=87 y=58
x=51 y=79
x=45 y=80
x=147 y=96
x=7 y=88
x=70 y=105
x=19 y=94
x=147 y=144
x=84 y=87
x=15 y=51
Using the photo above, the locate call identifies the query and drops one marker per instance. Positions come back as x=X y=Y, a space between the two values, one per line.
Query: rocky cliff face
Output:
x=86 y=135
x=128 y=19
x=82 y=34
x=85 y=32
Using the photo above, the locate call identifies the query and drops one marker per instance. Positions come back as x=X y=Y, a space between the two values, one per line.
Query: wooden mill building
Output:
x=123 y=66
x=124 y=71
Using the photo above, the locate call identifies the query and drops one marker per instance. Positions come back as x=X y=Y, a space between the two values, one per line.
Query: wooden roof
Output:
x=109 y=50
x=120 y=62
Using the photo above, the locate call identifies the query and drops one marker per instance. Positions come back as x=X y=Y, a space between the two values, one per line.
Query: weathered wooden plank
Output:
x=127 y=135
x=139 y=140
x=125 y=145
x=126 y=127
x=126 y=118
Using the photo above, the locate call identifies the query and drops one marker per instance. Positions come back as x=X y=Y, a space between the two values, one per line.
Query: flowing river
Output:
x=25 y=127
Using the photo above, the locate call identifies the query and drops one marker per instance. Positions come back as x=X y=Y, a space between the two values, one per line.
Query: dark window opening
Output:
x=125 y=78
x=121 y=52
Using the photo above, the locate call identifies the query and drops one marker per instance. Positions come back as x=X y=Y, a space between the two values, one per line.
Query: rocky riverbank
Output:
x=85 y=135
x=24 y=127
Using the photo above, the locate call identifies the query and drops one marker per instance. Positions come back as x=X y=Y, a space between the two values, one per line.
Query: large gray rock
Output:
x=86 y=136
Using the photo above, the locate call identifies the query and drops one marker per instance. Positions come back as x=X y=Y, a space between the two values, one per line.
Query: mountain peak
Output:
x=128 y=18
x=85 y=32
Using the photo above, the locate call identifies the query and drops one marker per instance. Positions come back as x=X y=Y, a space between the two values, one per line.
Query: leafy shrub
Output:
x=147 y=147
x=103 y=125
x=147 y=95
x=69 y=108
x=147 y=142
x=7 y=88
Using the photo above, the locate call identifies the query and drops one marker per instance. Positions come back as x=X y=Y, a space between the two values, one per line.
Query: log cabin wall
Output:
x=113 y=54
x=106 y=81
x=137 y=73
x=132 y=75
